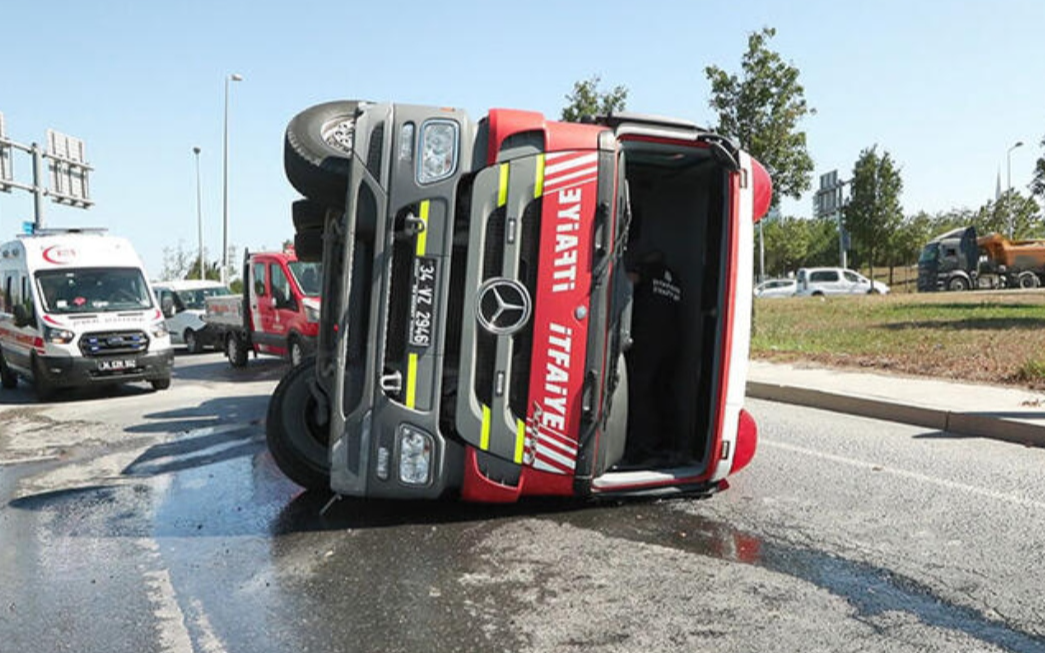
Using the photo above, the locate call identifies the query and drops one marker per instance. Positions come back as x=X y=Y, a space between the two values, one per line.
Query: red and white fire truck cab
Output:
x=516 y=306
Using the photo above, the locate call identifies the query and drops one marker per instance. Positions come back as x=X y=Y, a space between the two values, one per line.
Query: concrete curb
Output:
x=967 y=424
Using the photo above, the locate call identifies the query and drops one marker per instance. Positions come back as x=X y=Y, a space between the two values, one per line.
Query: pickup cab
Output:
x=276 y=314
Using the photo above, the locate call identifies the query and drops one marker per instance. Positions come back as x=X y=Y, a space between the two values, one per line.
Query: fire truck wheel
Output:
x=308 y=245
x=308 y=215
x=296 y=432
x=316 y=151
x=235 y=351
x=8 y=379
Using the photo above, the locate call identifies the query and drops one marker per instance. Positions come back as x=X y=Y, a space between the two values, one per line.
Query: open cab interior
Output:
x=672 y=327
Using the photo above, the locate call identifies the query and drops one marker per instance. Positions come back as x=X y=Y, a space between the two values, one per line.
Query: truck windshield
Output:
x=196 y=299
x=93 y=290
x=929 y=253
x=308 y=276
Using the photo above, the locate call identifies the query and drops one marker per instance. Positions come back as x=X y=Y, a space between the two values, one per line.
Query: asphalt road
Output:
x=145 y=522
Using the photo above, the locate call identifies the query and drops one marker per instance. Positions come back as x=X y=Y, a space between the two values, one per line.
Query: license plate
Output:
x=422 y=302
x=112 y=365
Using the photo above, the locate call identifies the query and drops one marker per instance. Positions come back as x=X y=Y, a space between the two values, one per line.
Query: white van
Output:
x=76 y=309
x=183 y=303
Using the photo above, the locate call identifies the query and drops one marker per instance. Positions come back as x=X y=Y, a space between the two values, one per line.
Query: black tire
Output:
x=317 y=148
x=308 y=215
x=192 y=342
x=958 y=284
x=160 y=384
x=295 y=351
x=235 y=350
x=8 y=379
x=308 y=246
x=1028 y=280
x=44 y=389
x=297 y=441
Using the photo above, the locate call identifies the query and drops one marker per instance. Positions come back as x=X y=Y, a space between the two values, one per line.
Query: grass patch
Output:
x=993 y=337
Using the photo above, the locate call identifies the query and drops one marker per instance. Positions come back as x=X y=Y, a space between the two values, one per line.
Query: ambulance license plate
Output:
x=117 y=364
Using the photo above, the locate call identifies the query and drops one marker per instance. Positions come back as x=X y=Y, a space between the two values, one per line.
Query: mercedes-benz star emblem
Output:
x=503 y=307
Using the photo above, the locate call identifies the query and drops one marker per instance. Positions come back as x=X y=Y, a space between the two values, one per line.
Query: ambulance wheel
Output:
x=235 y=350
x=317 y=149
x=193 y=342
x=160 y=384
x=8 y=379
x=297 y=432
x=44 y=389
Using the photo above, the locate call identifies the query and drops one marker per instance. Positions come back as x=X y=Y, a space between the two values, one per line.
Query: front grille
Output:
x=529 y=248
x=113 y=342
x=486 y=345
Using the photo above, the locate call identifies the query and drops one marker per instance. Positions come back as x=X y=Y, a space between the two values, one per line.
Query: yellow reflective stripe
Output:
x=411 y=381
x=520 y=440
x=484 y=439
x=422 y=238
x=502 y=192
x=538 y=187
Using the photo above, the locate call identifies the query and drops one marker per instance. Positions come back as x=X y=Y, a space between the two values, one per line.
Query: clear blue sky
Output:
x=945 y=87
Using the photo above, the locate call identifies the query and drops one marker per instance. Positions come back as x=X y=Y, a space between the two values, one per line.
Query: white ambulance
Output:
x=76 y=309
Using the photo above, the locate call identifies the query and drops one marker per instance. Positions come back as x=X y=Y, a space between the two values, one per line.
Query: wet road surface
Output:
x=196 y=542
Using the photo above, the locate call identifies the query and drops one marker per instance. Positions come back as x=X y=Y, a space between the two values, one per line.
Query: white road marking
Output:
x=916 y=476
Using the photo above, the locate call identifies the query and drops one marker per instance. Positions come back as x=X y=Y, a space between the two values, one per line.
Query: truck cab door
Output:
x=260 y=301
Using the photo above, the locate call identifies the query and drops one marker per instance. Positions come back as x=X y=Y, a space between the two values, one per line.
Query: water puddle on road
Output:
x=871 y=590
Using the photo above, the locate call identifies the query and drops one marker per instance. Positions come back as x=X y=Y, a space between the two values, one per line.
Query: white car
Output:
x=776 y=288
x=182 y=303
x=818 y=282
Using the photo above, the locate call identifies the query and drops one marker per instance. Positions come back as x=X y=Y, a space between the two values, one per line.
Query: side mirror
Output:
x=167 y=306
x=23 y=317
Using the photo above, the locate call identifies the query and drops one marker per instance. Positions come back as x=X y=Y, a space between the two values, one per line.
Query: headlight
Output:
x=311 y=313
x=415 y=455
x=438 y=151
x=58 y=336
x=159 y=330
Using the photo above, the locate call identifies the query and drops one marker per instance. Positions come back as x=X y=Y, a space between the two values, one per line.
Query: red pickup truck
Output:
x=277 y=313
x=514 y=306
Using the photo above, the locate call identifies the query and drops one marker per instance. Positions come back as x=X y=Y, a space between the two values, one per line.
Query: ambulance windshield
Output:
x=93 y=290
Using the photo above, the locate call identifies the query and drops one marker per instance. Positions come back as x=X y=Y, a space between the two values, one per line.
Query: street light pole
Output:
x=199 y=212
x=225 y=184
x=1008 y=183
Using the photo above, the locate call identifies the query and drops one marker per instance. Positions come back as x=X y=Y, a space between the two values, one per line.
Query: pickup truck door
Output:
x=260 y=302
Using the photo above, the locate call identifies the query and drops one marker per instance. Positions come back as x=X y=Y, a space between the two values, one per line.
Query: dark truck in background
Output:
x=959 y=260
x=476 y=330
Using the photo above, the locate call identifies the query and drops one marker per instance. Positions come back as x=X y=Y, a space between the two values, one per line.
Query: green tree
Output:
x=873 y=213
x=763 y=109
x=211 y=271
x=1037 y=184
x=1023 y=212
x=176 y=262
x=587 y=100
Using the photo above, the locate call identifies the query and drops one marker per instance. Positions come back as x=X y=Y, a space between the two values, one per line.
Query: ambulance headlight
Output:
x=415 y=449
x=439 y=143
x=58 y=336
